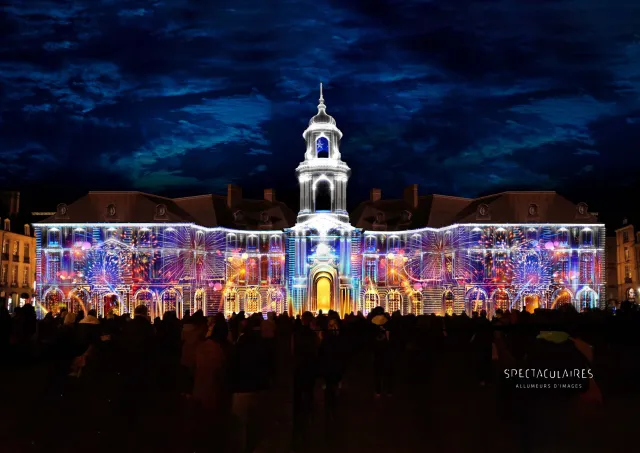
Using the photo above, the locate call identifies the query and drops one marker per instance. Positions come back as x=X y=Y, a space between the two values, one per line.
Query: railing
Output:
x=15 y=257
x=26 y=259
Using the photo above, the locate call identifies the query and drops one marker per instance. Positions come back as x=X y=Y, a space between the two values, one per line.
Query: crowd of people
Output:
x=219 y=369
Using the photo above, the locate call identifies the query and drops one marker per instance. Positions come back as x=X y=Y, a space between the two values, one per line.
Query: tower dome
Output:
x=322 y=117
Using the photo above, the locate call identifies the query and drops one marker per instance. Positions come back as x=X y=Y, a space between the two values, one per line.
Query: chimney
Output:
x=234 y=195
x=376 y=195
x=14 y=205
x=411 y=195
x=270 y=195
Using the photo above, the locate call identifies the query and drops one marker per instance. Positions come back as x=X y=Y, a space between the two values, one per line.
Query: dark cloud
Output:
x=462 y=97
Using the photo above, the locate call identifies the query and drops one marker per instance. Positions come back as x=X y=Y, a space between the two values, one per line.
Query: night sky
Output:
x=182 y=97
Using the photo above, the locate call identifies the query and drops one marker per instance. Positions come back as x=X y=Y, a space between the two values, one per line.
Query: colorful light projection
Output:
x=184 y=267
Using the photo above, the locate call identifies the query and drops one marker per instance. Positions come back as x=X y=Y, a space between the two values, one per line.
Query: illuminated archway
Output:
x=53 y=300
x=561 y=298
x=323 y=294
x=394 y=301
x=415 y=299
x=252 y=301
x=147 y=298
x=231 y=302
x=447 y=303
x=171 y=301
x=477 y=300
x=79 y=299
x=371 y=300
x=531 y=302
x=586 y=298
x=199 y=299
x=275 y=300
x=110 y=301
x=501 y=300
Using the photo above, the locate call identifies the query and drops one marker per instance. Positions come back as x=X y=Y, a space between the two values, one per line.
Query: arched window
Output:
x=448 y=300
x=252 y=300
x=371 y=300
x=370 y=244
x=322 y=147
x=54 y=238
x=501 y=238
x=501 y=300
x=170 y=301
x=199 y=299
x=79 y=237
x=563 y=238
x=232 y=242
x=323 y=196
x=275 y=243
x=274 y=295
x=393 y=244
x=252 y=242
x=394 y=301
x=416 y=303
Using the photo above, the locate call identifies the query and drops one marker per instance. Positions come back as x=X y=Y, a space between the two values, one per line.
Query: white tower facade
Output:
x=323 y=176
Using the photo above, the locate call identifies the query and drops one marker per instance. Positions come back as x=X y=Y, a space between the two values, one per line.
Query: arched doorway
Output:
x=323 y=294
x=394 y=301
x=587 y=299
x=531 y=302
x=501 y=300
x=110 y=302
x=477 y=300
x=563 y=297
x=231 y=303
x=146 y=297
x=171 y=301
x=371 y=300
x=416 y=303
x=323 y=196
x=275 y=299
x=198 y=300
x=53 y=300
x=252 y=301
x=447 y=303
x=79 y=300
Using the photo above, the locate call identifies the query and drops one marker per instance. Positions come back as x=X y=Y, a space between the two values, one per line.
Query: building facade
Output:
x=421 y=254
x=18 y=254
x=627 y=261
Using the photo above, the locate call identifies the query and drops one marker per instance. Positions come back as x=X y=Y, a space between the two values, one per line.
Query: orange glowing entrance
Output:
x=531 y=302
x=323 y=294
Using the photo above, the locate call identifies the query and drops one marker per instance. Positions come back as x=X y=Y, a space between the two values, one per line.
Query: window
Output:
x=231 y=302
x=370 y=270
x=627 y=271
x=393 y=271
x=25 y=276
x=501 y=238
x=532 y=235
x=79 y=237
x=252 y=271
x=586 y=268
x=475 y=237
x=370 y=244
x=14 y=275
x=16 y=249
x=501 y=267
x=416 y=303
x=144 y=238
x=276 y=271
x=626 y=253
x=275 y=244
x=170 y=237
x=416 y=242
x=322 y=147
x=393 y=243
x=4 y=274
x=587 y=238
x=563 y=238
x=232 y=242
x=252 y=242
x=625 y=236
x=54 y=238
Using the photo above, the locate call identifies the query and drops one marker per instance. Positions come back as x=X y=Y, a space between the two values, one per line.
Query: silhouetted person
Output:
x=305 y=350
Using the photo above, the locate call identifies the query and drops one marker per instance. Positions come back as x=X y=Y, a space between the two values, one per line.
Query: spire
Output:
x=321 y=105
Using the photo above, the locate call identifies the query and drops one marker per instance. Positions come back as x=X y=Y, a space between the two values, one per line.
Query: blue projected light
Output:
x=322 y=147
